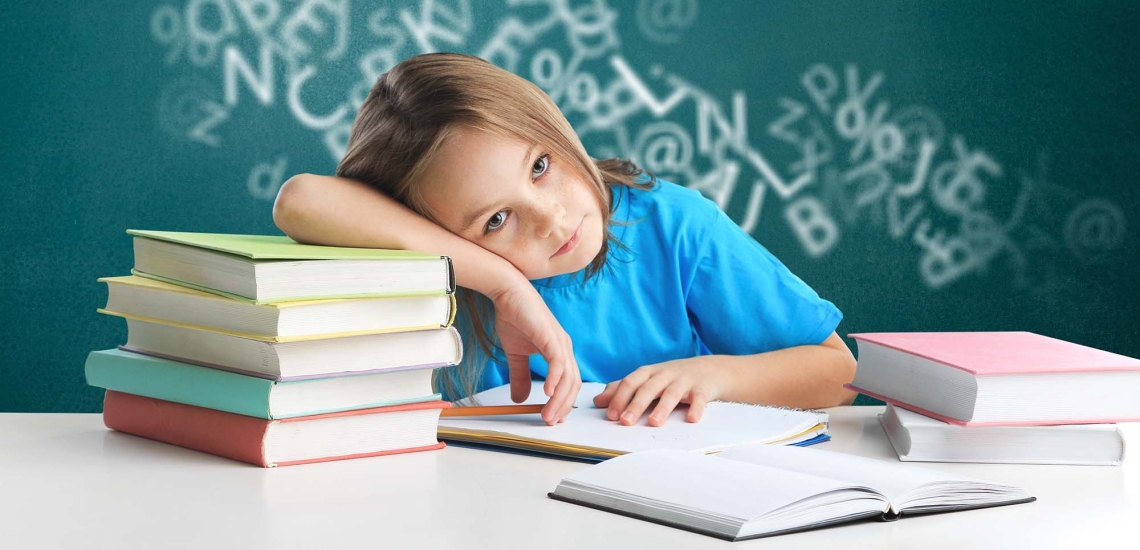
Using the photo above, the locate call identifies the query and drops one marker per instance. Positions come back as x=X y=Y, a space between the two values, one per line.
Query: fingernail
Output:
x=627 y=417
x=611 y=415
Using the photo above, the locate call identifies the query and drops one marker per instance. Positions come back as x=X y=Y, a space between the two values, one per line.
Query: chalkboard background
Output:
x=924 y=165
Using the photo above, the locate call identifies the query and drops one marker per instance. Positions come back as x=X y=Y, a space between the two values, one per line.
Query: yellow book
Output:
x=158 y=302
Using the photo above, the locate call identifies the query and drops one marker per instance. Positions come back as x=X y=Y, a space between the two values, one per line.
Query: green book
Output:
x=221 y=390
x=266 y=269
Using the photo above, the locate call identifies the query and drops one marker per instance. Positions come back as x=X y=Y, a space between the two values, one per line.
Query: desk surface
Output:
x=66 y=481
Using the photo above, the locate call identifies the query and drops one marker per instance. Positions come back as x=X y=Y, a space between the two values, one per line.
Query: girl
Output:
x=585 y=269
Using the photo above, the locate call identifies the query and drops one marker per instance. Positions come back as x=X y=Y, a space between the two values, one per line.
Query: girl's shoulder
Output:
x=669 y=201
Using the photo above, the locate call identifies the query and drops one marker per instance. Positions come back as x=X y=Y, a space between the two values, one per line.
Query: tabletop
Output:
x=67 y=481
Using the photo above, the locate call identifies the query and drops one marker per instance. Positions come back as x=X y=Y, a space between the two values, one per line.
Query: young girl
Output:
x=587 y=270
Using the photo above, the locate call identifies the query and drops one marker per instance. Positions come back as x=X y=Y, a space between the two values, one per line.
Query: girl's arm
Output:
x=801 y=376
x=337 y=211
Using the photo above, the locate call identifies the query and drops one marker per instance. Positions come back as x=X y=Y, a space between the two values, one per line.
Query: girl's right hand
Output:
x=526 y=326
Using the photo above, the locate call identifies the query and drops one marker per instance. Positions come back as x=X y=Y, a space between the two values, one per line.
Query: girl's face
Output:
x=513 y=199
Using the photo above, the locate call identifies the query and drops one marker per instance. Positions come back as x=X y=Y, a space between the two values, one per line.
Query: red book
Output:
x=998 y=378
x=271 y=443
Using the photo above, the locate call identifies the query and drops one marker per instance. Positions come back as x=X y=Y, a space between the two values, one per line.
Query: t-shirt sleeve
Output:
x=742 y=300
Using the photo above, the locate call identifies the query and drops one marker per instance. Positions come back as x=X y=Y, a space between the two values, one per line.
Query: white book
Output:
x=759 y=491
x=588 y=434
x=366 y=354
x=920 y=438
x=155 y=301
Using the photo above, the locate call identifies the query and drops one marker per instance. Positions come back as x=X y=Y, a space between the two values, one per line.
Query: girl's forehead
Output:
x=477 y=154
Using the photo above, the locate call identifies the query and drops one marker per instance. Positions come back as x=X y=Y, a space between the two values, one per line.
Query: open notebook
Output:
x=762 y=490
x=588 y=435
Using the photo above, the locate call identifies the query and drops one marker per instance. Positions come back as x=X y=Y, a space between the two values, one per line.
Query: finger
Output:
x=553 y=408
x=562 y=400
x=645 y=395
x=559 y=354
x=697 y=400
x=625 y=390
x=571 y=397
x=667 y=402
x=519 y=368
x=603 y=399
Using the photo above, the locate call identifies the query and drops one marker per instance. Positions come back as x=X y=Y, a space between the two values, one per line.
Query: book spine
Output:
x=450 y=273
x=215 y=432
x=179 y=382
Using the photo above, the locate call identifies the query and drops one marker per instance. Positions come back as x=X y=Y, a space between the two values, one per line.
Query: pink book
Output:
x=286 y=442
x=998 y=378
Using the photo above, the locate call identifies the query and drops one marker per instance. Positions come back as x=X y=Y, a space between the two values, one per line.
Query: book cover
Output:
x=276 y=247
x=149 y=376
x=996 y=353
x=224 y=434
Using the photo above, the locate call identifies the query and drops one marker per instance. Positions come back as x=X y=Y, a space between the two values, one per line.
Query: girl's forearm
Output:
x=803 y=376
x=337 y=211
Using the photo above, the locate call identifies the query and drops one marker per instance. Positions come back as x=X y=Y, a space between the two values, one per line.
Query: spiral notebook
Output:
x=588 y=435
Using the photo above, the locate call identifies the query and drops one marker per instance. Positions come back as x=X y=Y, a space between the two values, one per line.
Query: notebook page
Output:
x=692 y=481
x=722 y=425
x=890 y=478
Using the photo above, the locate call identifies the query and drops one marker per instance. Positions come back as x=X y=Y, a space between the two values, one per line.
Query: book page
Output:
x=893 y=479
x=722 y=425
x=692 y=481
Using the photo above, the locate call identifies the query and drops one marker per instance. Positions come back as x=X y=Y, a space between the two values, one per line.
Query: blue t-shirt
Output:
x=692 y=283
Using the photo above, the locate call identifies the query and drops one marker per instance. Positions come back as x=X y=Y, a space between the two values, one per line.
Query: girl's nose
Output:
x=548 y=218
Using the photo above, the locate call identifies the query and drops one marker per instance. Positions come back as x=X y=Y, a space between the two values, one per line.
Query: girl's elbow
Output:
x=290 y=202
x=845 y=373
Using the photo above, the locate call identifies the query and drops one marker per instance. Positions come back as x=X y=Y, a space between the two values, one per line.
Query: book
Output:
x=918 y=438
x=998 y=378
x=760 y=491
x=366 y=354
x=268 y=269
x=137 y=374
x=272 y=443
x=145 y=299
x=587 y=434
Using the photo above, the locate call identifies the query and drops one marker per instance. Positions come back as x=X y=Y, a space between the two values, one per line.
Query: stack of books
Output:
x=271 y=352
x=999 y=397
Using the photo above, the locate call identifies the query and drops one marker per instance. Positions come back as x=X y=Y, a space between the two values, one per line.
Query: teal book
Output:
x=159 y=378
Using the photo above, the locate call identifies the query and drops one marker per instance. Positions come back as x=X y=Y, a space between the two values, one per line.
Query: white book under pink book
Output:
x=998 y=378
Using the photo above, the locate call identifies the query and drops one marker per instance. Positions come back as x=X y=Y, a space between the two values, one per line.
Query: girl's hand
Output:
x=695 y=381
x=525 y=327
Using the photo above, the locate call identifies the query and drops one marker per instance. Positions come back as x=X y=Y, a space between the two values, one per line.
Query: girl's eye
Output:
x=498 y=219
x=541 y=166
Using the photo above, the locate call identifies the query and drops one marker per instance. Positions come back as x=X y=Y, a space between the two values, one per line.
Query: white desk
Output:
x=66 y=481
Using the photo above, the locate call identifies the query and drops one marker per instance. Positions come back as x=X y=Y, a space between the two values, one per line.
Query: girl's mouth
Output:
x=570 y=244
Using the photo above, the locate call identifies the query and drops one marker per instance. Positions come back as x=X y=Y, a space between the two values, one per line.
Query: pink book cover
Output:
x=997 y=353
x=993 y=353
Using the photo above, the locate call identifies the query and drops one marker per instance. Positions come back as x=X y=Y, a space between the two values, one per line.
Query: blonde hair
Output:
x=418 y=105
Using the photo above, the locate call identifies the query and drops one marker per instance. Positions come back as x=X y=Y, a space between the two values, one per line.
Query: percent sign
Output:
x=171 y=29
x=886 y=140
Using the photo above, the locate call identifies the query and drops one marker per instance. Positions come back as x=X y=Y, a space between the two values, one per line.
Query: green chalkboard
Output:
x=962 y=165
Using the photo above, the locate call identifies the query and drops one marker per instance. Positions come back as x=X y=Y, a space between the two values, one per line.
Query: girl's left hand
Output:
x=695 y=381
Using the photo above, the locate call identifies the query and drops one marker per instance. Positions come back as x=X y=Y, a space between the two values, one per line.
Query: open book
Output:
x=588 y=435
x=759 y=491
